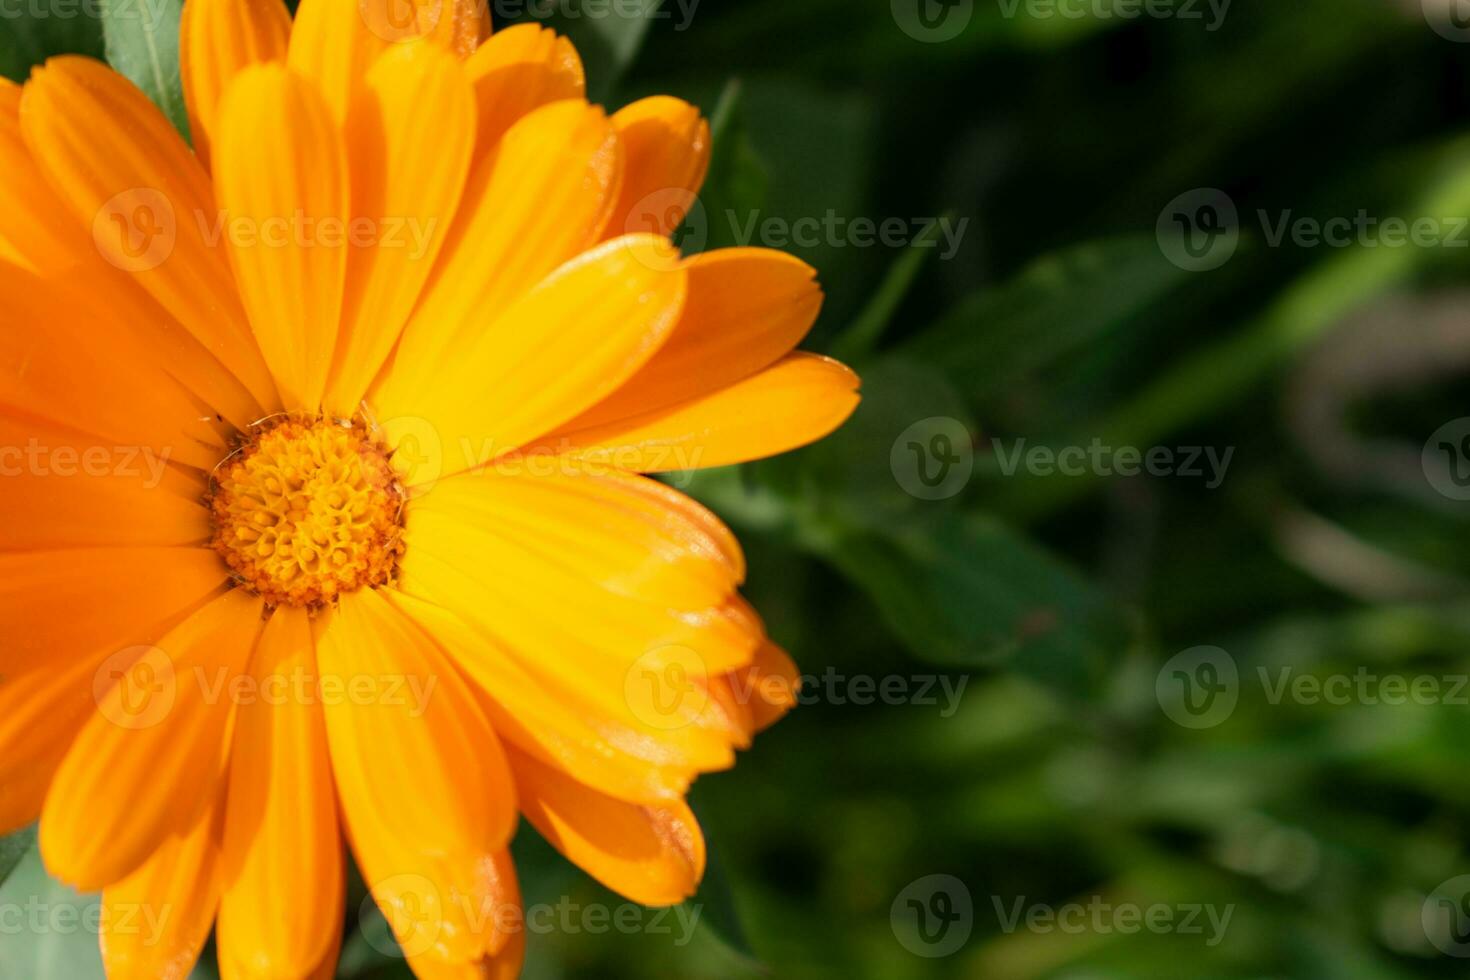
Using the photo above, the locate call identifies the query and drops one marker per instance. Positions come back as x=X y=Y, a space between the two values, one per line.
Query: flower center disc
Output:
x=306 y=510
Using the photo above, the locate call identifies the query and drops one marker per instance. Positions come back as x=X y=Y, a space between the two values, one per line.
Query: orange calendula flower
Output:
x=327 y=519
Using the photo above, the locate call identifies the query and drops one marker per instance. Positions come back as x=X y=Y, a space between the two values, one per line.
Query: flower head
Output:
x=326 y=453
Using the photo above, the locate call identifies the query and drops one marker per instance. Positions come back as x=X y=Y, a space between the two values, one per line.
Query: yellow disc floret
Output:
x=308 y=509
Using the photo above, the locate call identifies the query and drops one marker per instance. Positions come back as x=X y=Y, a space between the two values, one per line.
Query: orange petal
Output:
x=39 y=233
x=217 y=40
x=62 y=490
x=409 y=138
x=747 y=308
x=58 y=606
x=666 y=146
x=41 y=711
x=798 y=400
x=624 y=666
x=156 y=920
x=559 y=349
x=520 y=69
x=129 y=179
x=538 y=720
x=282 y=176
x=281 y=836
x=535 y=203
x=651 y=855
x=60 y=362
x=768 y=688
x=425 y=788
x=152 y=756
x=36 y=230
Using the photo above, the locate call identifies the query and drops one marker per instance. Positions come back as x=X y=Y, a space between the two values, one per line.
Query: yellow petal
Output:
x=282 y=183
x=334 y=42
x=520 y=69
x=156 y=920
x=612 y=530
x=798 y=400
x=666 y=148
x=421 y=911
x=130 y=181
x=535 y=203
x=151 y=757
x=505 y=965
x=622 y=664
x=651 y=855
x=217 y=40
x=409 y=141
x=747 y=308
x=540 y=721
x=559 y=349
x=281 y=837
x=425 y=788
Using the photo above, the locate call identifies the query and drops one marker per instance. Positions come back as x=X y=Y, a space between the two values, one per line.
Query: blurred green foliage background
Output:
x=1326 y=828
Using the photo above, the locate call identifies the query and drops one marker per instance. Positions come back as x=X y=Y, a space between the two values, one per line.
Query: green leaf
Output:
x=143 y=44
x=59 y=938
x=1054 y=306
x=13 y=848
x=962 y=590
x=28 y=41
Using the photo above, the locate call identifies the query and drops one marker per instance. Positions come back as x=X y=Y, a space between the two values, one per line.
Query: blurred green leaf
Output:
x=58 y=924
x=861 y=338
x=608 y=36
x=13 y=848
x=143 y=44
x=45 y=32
x=718 y=912
x=1056 y=305
x=962 y=590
